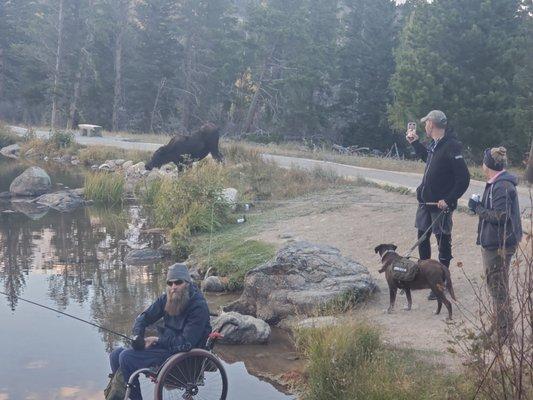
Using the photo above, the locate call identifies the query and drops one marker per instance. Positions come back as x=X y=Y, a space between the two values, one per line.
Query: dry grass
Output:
x=350 y=361
x=96 y=155
x=7 y=137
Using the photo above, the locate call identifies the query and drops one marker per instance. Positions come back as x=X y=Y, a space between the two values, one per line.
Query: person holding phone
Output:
x=446 y=178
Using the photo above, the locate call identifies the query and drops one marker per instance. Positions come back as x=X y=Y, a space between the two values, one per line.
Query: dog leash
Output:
x=423 y=237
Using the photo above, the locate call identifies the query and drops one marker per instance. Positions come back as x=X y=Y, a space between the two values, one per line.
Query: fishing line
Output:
x=68 y=315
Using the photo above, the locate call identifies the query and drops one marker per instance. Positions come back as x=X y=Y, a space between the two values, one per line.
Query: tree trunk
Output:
x=57 y=70
x=154 y=110
x=529 y=170
x=187 y=97
x=254 y=104
x=124 y=8
x=252 y=110
x=82 y=59
x=2 y=73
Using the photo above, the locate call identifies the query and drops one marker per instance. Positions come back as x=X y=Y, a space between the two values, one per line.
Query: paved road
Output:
x=392 y=178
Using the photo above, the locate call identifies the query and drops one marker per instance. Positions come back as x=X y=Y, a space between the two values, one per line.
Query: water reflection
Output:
x=73 y=262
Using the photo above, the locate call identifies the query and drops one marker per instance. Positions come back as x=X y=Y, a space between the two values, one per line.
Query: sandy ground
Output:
x=356 y=229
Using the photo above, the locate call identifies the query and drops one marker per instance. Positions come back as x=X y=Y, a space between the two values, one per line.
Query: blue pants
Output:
x=130 y=360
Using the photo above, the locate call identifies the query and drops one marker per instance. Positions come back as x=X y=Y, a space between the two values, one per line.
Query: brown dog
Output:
x=431 y=275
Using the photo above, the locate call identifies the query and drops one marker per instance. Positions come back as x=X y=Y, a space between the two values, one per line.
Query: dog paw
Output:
x=389 y=311
x=407 y=308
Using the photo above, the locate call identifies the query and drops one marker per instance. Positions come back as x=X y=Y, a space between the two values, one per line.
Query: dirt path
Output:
x=357 y=229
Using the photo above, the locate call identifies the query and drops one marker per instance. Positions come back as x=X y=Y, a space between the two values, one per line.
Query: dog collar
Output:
x=386 y=252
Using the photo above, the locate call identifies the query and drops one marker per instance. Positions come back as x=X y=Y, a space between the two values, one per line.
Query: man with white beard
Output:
x=185 y=325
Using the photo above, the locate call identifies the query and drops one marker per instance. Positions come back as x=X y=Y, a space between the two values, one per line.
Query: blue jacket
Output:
x=500 y=224
x=181 y=332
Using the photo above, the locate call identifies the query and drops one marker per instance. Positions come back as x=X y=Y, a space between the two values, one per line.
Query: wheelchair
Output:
x=196 y=374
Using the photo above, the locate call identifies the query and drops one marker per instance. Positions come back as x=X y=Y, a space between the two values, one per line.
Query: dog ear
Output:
x=394 y=247
x=377 y=249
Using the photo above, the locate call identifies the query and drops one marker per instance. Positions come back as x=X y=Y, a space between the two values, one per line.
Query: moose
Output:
x=183 y=150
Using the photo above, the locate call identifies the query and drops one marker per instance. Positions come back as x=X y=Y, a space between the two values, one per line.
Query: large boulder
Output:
x=302 y=277
x=143 y=257
x=63 y=201
x=32 y=182
x=243 y=329
x=11 y=151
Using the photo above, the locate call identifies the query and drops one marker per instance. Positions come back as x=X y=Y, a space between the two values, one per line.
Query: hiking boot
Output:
x=432 y=296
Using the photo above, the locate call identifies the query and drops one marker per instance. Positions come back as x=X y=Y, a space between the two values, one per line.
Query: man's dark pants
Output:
x=442 y=229
x=130 y=360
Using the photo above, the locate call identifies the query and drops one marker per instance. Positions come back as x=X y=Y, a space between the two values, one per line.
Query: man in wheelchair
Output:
x=185 y=325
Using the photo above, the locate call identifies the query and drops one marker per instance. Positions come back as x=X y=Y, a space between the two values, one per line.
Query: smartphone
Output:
x=411 y=126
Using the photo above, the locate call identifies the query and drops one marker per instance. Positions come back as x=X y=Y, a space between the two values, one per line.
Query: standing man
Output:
x=185 y=325
x=445 y=180
x=499 y=233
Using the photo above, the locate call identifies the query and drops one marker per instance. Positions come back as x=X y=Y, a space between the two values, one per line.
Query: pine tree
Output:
x=365 y=64
x=461 y=57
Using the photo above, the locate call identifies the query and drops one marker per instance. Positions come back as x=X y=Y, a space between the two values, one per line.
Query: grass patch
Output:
x=258 y=179
x=236 y=260
x=351 y=362
x=59 y=143
x=7 y=137
x=104 y=188
x=98 y=154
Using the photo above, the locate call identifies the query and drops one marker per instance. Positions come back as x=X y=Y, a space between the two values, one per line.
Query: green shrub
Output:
x=194 y=201
x=104 y=188
x=61 y=139
x=189 y=205
x=349 y=361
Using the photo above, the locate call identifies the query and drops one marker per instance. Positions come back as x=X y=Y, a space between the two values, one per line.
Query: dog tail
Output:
x=449 y=284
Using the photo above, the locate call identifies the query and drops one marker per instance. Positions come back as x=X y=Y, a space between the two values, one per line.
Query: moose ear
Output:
x=378 y=248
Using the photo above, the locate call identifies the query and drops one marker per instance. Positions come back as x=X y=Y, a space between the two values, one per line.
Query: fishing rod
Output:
x=77 y=318
x=68 y=315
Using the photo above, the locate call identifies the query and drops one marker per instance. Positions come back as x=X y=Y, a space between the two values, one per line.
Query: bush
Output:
x=104 y=188
x=189 y=205
x=61 y=139
x=351 y=362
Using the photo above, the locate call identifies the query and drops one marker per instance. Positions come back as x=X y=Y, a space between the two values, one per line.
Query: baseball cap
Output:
x=437 y=116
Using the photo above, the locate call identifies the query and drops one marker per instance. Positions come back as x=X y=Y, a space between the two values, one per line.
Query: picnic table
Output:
x=90 y=130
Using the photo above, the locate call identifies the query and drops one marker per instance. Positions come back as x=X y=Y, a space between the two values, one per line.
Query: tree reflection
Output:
x=81 y=253
x=16 y=254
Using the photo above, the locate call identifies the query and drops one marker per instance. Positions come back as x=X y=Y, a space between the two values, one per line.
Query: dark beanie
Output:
x=495 y=158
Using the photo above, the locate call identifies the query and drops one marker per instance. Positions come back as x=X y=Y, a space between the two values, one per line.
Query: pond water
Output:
x=73 y=262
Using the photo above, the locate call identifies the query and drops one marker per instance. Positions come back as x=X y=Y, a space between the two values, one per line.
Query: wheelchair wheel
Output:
x=197 y=374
